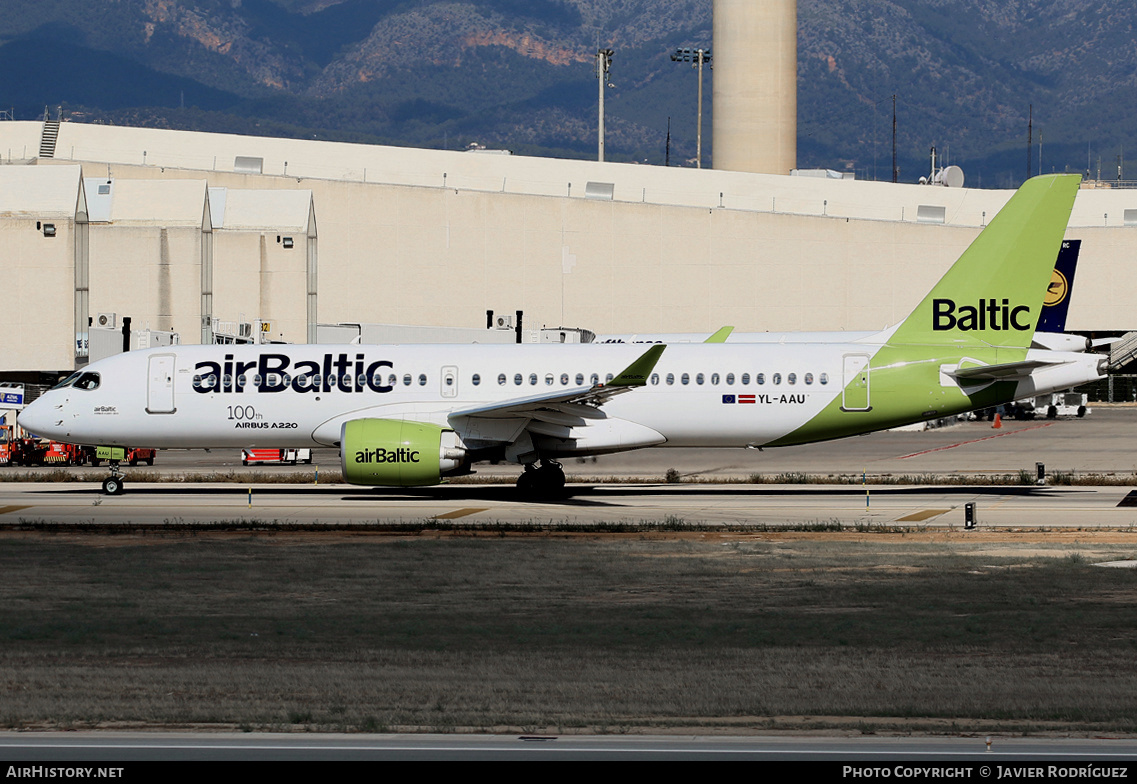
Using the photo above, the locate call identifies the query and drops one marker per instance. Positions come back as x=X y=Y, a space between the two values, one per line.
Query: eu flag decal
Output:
x=728 y=398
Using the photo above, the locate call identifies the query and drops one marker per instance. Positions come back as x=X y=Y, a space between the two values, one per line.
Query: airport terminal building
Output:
x=217 y=237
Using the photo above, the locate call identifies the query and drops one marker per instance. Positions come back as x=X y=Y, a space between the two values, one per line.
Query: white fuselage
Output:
x=728 y=395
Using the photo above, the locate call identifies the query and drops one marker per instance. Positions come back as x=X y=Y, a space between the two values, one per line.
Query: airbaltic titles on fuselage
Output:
x=277 y=373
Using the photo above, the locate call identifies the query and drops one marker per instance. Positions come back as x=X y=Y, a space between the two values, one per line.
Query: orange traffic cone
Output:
x=998 y=422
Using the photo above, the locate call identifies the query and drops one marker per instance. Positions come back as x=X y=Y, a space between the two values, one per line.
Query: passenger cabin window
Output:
x=759 y=378
x=823 y=378
x=654 y=379
x=745 y=378
x=532 y=379
x=777 y=378
x=407 y=380
x=475 y=380
x=580 y=379
x=422 y=380
x=501 y=379
x=792 y=378
x=670 y=379
x=809 y=378
x=699 y=379
x=729 y=378
x=517 y=379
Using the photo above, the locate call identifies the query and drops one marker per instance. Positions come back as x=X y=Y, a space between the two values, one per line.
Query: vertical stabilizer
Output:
x=993 y=294
x=1061 y=288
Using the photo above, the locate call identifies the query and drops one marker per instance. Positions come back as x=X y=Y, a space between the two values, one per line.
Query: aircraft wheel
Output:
x=552 y=479
x=112 y=485
x=1081 y=411
x=1052 y=412
x=544 y=483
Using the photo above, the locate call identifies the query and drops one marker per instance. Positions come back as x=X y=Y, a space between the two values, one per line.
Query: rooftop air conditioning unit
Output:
x=107 y=320
x=503 y=322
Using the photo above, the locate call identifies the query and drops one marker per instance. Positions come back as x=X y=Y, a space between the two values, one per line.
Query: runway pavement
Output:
x=730 y=505
x=1101 y=443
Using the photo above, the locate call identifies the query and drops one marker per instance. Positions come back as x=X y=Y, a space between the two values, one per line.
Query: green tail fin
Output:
x=993 y=294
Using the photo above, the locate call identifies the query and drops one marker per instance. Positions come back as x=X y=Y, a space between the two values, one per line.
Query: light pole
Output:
x=603 y=66
x=696 y=57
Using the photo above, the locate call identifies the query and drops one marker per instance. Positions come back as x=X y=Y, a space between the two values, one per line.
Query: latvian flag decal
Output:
x=738 y=399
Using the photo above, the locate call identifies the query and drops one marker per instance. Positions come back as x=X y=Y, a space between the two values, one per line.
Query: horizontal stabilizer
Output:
x=1005 y=372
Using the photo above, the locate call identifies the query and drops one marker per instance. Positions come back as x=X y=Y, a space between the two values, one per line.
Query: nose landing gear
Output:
x=113 y=484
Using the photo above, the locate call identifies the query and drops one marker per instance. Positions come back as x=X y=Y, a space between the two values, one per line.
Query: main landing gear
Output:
x=546 y=481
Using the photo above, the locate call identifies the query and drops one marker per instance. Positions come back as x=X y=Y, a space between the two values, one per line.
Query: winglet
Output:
x=636 y=374
x=720 y=336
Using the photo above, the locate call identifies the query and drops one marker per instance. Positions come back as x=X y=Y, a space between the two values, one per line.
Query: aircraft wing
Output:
x=571 y=407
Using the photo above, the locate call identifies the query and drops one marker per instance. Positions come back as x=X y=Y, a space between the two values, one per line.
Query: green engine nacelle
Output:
x=395 y=453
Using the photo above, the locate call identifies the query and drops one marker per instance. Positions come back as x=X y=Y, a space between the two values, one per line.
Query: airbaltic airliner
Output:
x=412 y=415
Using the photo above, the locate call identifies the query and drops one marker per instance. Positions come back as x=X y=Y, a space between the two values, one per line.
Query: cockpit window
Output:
x=81 y=379
x=87 y=381
x=69 y=380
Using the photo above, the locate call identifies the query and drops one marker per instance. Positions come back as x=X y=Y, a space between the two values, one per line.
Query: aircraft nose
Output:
x=37 y=418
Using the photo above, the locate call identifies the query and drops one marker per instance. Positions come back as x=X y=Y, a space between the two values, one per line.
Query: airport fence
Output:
x=1112 y=389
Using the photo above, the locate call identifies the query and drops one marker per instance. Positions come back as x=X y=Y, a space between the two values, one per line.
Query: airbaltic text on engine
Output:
x=276 y=373
x=380 y=455
x=988 y=315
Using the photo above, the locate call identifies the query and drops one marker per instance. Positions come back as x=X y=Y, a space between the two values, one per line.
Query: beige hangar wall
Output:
x=781 y=253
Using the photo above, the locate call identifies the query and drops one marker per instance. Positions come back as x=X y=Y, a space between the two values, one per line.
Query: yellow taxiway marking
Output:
x=457 y=513
x=916 y=517
x=7 y=509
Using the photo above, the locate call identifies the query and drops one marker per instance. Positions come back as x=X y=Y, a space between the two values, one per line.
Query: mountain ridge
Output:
x=519 y=74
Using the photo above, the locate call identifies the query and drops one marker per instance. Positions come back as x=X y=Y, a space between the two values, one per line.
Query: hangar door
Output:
x=160 y=385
